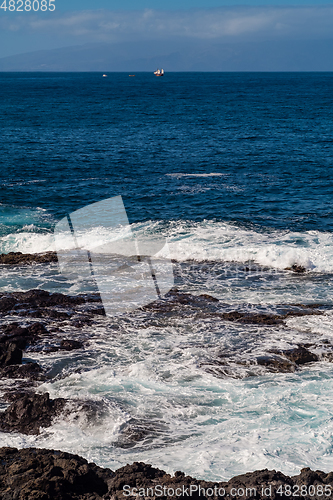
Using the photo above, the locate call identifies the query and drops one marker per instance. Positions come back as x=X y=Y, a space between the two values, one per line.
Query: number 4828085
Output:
x=27 y=5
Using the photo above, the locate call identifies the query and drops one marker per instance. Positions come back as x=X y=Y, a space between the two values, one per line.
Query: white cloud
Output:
x=237 y=23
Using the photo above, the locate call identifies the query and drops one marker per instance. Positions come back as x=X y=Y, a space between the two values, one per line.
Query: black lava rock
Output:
x=10 y=354
x=30 y=412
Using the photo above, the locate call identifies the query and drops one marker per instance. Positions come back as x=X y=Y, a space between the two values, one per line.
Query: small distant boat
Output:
x=159 y=72
x=105 y=75
x=131 y=75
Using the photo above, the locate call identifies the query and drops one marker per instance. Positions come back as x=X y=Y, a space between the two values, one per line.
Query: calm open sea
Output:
x=235 y=169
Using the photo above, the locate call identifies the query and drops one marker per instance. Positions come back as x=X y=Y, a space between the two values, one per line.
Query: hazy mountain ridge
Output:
x=299 y=55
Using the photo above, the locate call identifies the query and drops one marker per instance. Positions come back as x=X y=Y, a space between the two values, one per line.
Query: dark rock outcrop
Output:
x=13 y=332
x=34 y=299
x=137 y=430
x=70 y=345
x=14 y=258
x=296 y=268
x=31 y=371
x=64 y=345
x=7 y=302
x=256 y=318
x=42 y=298
x=60 y=307
x=205 y=306
x=13 y=340
x=262 y=484
x=30 y=412
x=10 y=353
x=31 y=474
x=43 y=304
x=287 y=360
x=276 y=363
x=300 y=355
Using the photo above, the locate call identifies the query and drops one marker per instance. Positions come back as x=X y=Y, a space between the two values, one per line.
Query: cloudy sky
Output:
x=172 y=23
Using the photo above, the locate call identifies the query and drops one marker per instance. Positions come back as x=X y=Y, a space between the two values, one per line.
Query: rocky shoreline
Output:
x=40 y=474
x=35 y=321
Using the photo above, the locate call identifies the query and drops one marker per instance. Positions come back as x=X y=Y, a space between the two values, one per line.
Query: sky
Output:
x=173 y=4
x=167 y=22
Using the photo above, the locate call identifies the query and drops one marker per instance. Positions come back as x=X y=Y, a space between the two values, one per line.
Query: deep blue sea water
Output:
x=68 y=140
x=233 y=169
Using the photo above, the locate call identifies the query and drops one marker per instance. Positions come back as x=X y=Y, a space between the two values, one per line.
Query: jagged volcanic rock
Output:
x=10 y=353
x=70 y=345
x=32 y=474
x=14 y=258
x=31 y=371
x=300 y=355
x=30 y=412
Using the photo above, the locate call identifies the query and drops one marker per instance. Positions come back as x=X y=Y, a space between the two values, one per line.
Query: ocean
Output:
x=235 y=171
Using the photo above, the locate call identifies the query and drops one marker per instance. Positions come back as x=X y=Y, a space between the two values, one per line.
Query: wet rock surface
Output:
x=70 y=345
x=49 y=318
x=287 y=360
x=29 y=412
x=43 y=322
x=300 y=355
x=205 y=306
x=42 y=474
x=34 y=299
x=63 y=345
x=276 y=363
x=39 y=335
x=14 y=332
x=259 y=484
x=138 y=431
x=57 y=306
x=10 y=353
x=43 y=313
x=32 y=474
x=15 y=258
x=292 y=360
x=30 y=371
x=297 y=268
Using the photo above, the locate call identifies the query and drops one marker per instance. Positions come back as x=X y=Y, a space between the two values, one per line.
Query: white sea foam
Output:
x=208 y=244
x=208 y=425
x=27 y=242
x=218 y=241
x=212 y=174
x=215 y=428
x=321 y=325
x=226 y=242
x=205 y=241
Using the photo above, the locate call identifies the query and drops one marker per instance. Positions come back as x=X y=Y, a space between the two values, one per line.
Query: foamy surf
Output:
x=215 y=429
x=206 y=241
x=179 y=175
x=210 y=416
x=181 y=388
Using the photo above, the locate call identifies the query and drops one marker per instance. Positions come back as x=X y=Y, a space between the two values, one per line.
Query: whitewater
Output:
x=159 y=377
x=234 y=171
